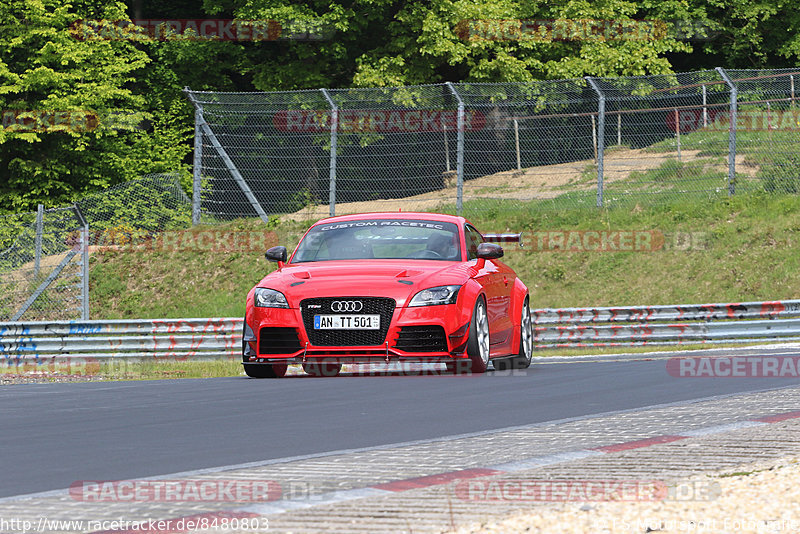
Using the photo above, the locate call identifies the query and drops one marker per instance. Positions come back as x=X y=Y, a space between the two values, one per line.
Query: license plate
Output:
x=347 y=322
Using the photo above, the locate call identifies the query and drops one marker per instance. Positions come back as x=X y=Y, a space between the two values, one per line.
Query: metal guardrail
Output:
x=178 y=339
x=42 y=343
x=740 y=322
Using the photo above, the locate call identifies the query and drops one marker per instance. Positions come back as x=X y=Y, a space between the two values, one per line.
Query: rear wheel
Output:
x=478 y=343
x=523 y=359
x=503 y=364
x=322 y=368
x=264 y=370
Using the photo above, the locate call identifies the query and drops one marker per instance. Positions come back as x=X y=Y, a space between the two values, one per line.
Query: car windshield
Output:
x=380 y=239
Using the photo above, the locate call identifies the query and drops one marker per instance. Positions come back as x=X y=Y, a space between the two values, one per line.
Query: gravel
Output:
x=37 y=378
x=758 y=498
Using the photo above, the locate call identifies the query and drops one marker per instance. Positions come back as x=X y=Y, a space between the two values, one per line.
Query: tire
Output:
x=478 y=343
x=503 y=364
x=523 y=359
x=322 y=368
x=458 y=366
x=261 y=370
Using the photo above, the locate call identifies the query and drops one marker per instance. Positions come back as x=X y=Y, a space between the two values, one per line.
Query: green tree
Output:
x=45 y=67
x=385 y=42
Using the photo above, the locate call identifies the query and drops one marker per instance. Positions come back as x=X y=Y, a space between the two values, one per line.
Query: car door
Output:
x=496 y=285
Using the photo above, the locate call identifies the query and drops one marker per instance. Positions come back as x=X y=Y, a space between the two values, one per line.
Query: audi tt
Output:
x=387 y=287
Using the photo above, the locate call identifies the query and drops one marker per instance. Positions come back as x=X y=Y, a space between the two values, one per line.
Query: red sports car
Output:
x=377 y=287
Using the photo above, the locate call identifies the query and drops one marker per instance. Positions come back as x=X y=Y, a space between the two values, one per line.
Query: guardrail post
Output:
x=237 y=176
x=334 y=145
x=459 y=150
x=731 y=132
x=601 y=140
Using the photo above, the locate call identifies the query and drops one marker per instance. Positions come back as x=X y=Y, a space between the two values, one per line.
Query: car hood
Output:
x=397 y=279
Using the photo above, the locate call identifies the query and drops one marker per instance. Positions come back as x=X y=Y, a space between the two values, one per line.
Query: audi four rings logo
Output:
x=346 y=306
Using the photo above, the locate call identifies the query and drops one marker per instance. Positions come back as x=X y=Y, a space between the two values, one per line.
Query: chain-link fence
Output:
x=135 y=210
x=468 y=146
x=43 y=268
x=44 y=254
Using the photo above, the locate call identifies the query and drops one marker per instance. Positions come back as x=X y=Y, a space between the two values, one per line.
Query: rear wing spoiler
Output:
x=504 y=238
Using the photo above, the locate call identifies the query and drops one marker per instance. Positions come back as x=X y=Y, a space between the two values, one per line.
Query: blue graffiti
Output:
x=26 y=345
x=82 y=328
x=3 y=350
x=21 y=343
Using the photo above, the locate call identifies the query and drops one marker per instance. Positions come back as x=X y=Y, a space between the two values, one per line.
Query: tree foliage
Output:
x=43 y=66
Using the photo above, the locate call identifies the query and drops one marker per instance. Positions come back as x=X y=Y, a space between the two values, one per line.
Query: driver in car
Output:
x=441 y=244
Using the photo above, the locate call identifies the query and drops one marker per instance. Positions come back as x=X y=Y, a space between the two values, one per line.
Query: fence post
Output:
x=459 y=150
x=38 y=245
x=84 y=263
x=85 y=273
x=334 y=144
x=237 y=176
x=197 y=164
x=516 y=142
x=446 y=149
x=731 y=132
x=705 y=109
x=601 y=142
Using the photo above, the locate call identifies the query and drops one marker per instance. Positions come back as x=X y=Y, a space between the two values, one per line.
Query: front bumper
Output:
x=454 y=324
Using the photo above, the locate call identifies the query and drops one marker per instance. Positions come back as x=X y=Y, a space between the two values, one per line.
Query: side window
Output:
x=473 y=239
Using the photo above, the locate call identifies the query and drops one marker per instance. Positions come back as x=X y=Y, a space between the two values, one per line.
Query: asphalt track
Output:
x=52 y=435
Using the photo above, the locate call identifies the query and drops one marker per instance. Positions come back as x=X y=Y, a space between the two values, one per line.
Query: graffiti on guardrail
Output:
x=681 y=312
x=76 y=347
x=82 y=344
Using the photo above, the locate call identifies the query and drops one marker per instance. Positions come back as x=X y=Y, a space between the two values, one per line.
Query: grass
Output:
x=723 y=250
x=124 y=370
x=715 y=248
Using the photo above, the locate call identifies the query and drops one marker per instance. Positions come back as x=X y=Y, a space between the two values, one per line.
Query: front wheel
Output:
x=263 y=370
x=478 y=343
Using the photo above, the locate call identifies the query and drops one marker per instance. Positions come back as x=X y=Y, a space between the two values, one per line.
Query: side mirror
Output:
x=277 y=254
x=490 y=251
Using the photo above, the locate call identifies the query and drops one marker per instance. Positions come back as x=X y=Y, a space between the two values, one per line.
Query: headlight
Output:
x=435 y=295
x=269 y=298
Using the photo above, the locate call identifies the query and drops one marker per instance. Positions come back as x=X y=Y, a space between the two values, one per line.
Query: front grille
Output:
x=348 y=338
x=428 y=338
x=278 y=341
